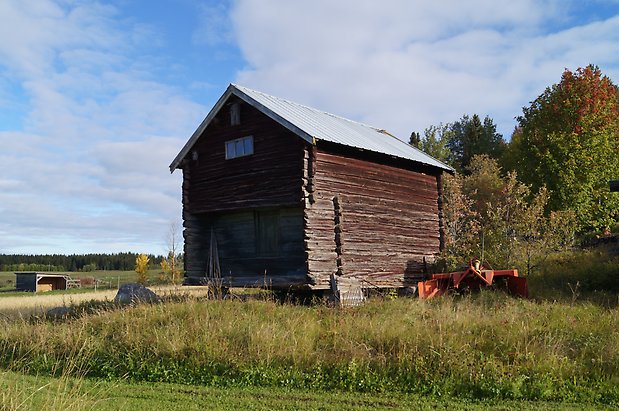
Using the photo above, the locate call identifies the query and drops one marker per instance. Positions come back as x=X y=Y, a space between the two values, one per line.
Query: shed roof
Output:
x=312 y=125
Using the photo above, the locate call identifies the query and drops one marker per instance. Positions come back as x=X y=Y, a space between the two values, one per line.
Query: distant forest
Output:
x=74 y=263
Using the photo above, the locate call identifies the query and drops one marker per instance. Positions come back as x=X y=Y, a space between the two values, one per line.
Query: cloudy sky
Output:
x=97 y=97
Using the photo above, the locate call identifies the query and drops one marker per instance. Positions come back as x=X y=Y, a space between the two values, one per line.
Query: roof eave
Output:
x=233 y=90
x=440 y=166
x=176 y=163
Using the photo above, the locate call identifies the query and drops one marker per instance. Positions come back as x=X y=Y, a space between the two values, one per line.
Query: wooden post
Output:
x=441 y=226
x=339 y=241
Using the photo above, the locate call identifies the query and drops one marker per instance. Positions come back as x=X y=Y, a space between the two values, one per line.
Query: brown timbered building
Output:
x=279 y=194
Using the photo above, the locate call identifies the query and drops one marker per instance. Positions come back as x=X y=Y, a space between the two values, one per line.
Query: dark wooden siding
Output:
x=338 y=209
x=270 y=177
x=368 y=220
x=26 y=281
x=243 y=196
x=243 y=259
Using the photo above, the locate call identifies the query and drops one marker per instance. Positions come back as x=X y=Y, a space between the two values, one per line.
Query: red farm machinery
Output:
x=474 y=278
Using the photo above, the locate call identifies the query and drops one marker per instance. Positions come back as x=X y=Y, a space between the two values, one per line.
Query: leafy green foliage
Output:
x=415 y=139
x=499 y=220
x=457 y=143
x=434 y=142
x=569 y=142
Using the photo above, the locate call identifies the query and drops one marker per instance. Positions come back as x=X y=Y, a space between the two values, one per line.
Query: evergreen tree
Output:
x=469 y=137
x=415 y=139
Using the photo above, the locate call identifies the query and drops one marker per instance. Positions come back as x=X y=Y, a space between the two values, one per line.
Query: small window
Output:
x=240 y=147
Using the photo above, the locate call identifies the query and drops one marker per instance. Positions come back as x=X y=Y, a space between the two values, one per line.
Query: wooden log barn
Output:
x=282 y=195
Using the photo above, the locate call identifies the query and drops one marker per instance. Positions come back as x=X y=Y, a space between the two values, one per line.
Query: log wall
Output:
x=367 y=220
x=242 y=262
x=341 y=211
x=225 y=195
x=270 y=177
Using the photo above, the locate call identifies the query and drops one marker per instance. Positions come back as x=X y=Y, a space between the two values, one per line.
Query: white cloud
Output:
x=89 y=170
x=404 y=65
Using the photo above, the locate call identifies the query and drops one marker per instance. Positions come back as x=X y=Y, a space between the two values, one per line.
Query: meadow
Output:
x=107 y=279
x=559 y=349
x=24 y=392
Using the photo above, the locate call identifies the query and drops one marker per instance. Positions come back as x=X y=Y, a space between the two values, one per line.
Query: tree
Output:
x=172 y=263
x=435 y=139
x=141 y=267
x=499 y=220
x=570 y=144
x=415 y=139
x=469 y=136
x=433 y=142
x=512 y=155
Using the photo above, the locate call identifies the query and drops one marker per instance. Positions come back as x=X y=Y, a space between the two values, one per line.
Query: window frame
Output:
x=230 y=147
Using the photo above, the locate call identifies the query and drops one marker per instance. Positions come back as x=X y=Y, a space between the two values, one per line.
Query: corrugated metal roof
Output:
x=312 y=124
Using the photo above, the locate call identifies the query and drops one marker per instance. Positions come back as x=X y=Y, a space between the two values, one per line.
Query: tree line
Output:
x=73 y=263
x=566 y=142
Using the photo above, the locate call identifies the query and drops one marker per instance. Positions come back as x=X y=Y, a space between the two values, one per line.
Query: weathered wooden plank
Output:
x=272 y=176
x=390 y=216
x=358 y=217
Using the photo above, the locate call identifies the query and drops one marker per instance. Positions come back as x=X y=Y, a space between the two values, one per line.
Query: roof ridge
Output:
x=313 y=124
x=239 y=87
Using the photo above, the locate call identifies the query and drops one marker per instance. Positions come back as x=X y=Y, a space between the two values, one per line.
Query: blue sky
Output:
x=97 y=97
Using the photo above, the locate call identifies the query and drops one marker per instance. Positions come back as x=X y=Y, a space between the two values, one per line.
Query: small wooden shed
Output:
x=40 y=282
x=282 y=195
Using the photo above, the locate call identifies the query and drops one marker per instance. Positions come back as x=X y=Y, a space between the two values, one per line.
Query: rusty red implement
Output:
x=474 y=278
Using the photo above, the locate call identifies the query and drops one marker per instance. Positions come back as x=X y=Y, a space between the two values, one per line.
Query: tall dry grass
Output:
x=575 y=275
x=488 y=345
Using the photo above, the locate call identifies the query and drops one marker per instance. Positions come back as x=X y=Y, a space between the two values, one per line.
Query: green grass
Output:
x=112 y=278
x=488 y=346
x=558 y=350
x=39 y=392
x=579 y=275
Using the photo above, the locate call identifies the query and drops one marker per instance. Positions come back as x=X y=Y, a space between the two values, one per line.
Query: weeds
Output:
x=590 y=275
x=562 y=346
x=483 y=346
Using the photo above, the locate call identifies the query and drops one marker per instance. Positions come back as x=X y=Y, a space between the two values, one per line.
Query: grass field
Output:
x=485 y=347
x=24 y=304
x=107 y=279
x=24 y=392
x=558 y=350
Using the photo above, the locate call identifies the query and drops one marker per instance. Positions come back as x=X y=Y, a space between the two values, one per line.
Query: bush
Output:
x=498 y=220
